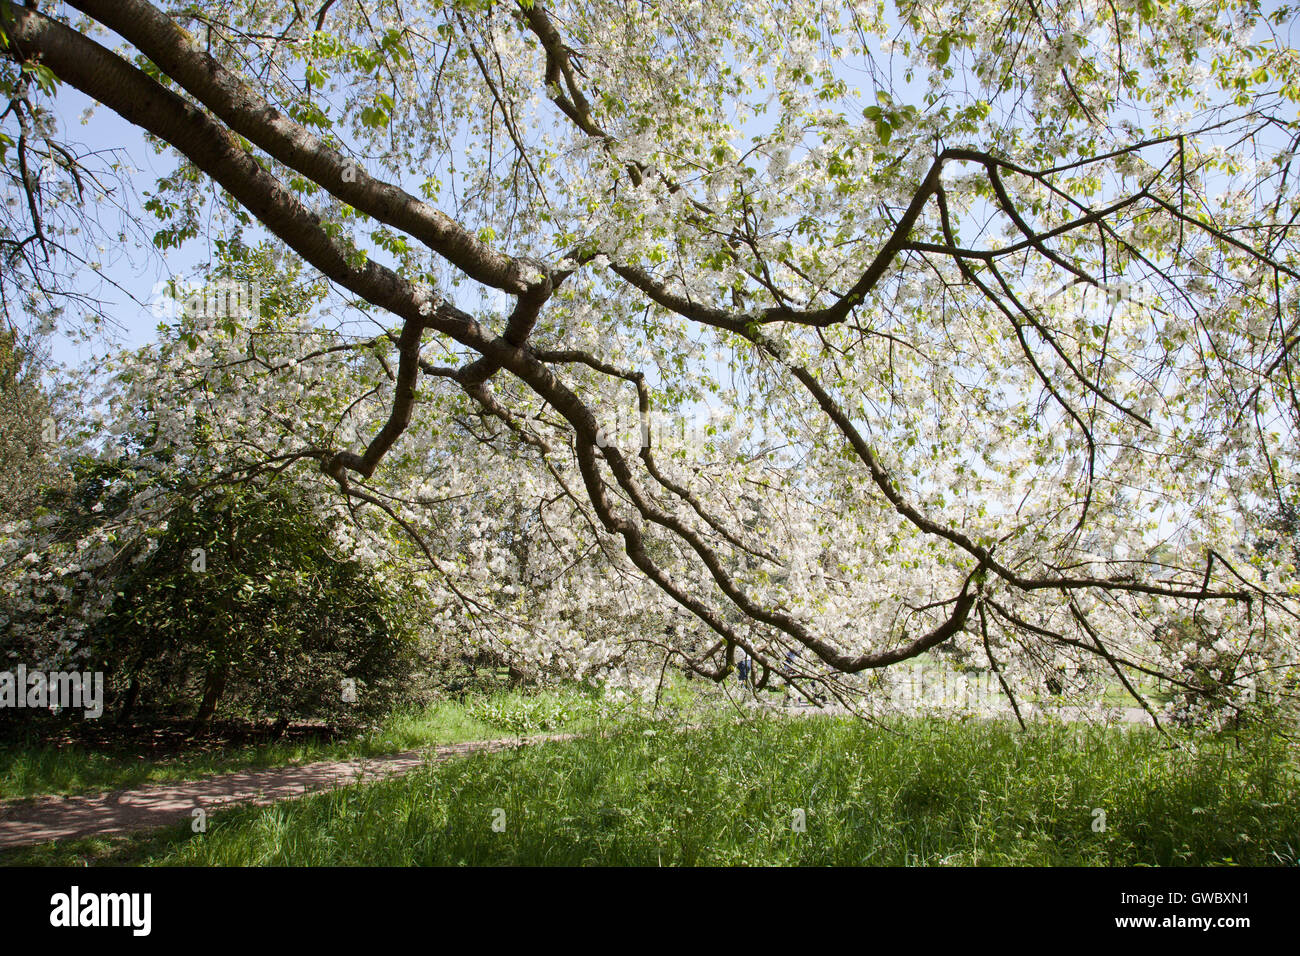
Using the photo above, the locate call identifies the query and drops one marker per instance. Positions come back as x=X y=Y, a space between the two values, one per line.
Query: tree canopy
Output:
x=825 y=333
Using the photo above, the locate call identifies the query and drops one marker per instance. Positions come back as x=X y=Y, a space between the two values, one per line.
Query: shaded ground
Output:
x=163 y=737
x=24 y=822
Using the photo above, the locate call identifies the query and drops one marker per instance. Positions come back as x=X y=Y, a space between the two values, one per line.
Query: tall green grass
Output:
x=925 y=792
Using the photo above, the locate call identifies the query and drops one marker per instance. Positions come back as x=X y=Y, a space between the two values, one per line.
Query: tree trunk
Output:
x=128 y=703
x=213 y=687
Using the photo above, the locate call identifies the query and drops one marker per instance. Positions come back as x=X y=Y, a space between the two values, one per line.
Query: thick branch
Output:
x=250 y=115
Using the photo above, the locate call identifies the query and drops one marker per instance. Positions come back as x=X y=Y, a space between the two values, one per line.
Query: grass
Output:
x=924 y=792
x=34 y=768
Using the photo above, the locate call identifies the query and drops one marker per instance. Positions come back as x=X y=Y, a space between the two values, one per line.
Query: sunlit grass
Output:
x=926 y=792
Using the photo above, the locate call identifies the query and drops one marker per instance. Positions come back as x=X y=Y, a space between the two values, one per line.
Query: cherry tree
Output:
x=822 y=333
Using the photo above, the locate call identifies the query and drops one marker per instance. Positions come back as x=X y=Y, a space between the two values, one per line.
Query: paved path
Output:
x=120 y=811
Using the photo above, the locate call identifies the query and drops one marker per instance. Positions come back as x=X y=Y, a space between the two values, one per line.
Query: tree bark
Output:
x=213 y=687
x=128 y=703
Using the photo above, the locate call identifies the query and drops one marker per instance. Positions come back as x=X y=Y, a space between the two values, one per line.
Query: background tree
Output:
x=195 y=592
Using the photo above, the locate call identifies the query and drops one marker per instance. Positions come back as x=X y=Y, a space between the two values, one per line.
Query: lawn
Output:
x=770 y=790
x=30 y=768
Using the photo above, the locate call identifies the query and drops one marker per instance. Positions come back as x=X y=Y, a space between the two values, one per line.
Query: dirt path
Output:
x=120 y=811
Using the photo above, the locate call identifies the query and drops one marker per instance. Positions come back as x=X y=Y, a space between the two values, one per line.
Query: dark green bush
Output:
x=245 y=606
